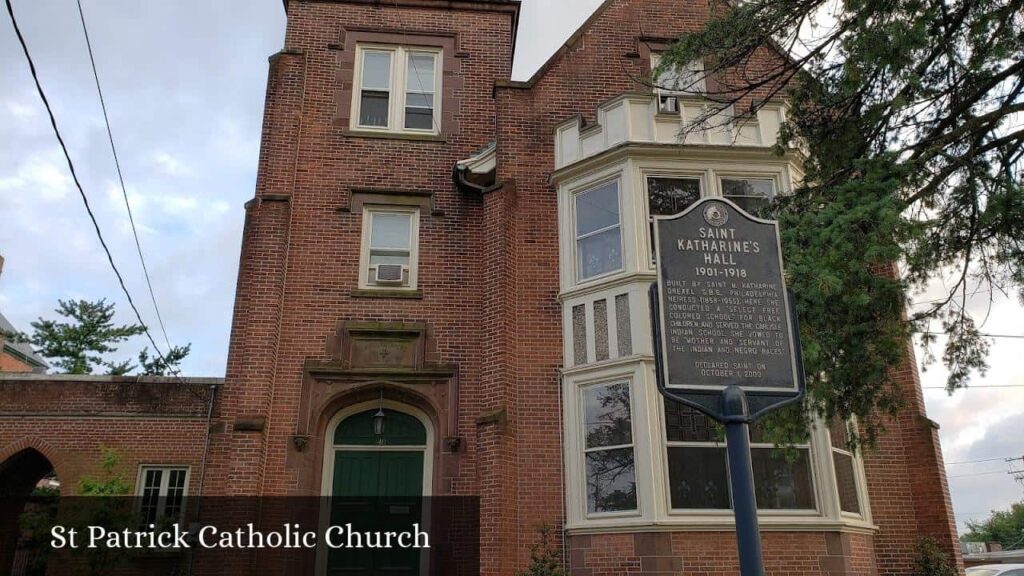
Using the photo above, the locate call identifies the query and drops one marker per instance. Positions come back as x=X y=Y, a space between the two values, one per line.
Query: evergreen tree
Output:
x=907 y=116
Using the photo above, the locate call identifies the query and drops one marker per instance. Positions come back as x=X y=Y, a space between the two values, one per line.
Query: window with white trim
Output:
x=673 y=83
x=751 y=194
x=698 y=476
x=390 y=247
x=610 y=460
x=161 y=494
x=598 y=231
x=845 y=464
x=670 y=195
x=397 y=89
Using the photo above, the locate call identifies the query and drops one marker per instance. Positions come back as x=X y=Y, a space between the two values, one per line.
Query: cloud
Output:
x=171 y=166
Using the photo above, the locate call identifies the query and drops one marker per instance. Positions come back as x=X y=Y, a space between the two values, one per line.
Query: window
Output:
x=669 y=195
x=699 y=473
x=397 y=89
x=608 y=448
x=751 y=194
x=162 y=494
x=846 y=472
x=673 y=83
x=598 y=233
x=389 y=252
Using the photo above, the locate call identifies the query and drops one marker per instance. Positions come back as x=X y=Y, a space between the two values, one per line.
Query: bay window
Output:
x=751 y=194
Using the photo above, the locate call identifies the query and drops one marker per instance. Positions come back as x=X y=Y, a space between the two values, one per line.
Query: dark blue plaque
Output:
x=721 y=309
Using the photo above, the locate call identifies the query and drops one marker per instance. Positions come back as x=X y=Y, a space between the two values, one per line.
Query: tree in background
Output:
x=1005 y=527
x=82 y=345
x=908 y=116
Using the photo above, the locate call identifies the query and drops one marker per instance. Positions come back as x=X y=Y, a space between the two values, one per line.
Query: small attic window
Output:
x=673 y=83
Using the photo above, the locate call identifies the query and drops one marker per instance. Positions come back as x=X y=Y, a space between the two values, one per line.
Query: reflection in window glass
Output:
x=698 y=466
x=843 y=462
x=751 y=194
x=419 y=86
x=668 y=196
x=598 y=233
x=608 y=438
x=375 y=94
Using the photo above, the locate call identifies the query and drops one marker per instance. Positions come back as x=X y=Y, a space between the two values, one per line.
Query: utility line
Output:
x=978 y=474
x=74 y=175
x=974 y=387
x=120 y=176
x=999 y=459
x=983 y=335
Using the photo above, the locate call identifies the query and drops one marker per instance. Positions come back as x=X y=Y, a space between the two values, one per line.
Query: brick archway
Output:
x=23 y=465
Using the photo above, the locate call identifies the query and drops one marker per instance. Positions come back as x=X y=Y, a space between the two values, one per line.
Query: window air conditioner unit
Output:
x=392 y=274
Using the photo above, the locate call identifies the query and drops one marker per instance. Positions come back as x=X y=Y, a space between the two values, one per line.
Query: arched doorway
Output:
x=377 y=468
x=29 y=489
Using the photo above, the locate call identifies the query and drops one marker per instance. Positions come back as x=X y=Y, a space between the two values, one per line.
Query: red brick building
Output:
x=470 y=255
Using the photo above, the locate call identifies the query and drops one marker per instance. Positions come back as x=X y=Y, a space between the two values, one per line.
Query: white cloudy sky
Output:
x=184 y=83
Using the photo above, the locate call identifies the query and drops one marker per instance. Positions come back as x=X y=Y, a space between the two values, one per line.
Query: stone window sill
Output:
x=355 y=133
x=401 y=294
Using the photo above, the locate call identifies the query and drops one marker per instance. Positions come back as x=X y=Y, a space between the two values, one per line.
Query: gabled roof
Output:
x=21 y=350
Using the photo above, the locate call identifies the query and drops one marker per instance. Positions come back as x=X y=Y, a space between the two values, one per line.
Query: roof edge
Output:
x=106 y=379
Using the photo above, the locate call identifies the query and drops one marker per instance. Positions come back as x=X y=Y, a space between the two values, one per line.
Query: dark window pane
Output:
x=611 y=480
x=698 y=478
x=781 y=484
x=840 y=435
x=419 y=118
x=606 y=418
x=373 y=109
x=750 y=194
x=668 y=196
x=846 y=481
x=685 y=424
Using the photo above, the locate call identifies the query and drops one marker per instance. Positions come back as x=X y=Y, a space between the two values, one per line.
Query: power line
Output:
x=1015 y=336
x=999 y=459
x=977 y=474
x=120 y=177
x=74 y=175
x=974 y=387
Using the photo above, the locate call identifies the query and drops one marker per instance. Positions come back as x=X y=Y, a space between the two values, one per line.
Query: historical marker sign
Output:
x=724 y=314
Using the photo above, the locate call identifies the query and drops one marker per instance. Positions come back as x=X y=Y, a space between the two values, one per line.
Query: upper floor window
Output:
x=673 y=83
x=390 y=247
x=698 y=467
x=669 y=195
x=751 y=194
x=598 y=231
x=162 y=494
x=397 y=89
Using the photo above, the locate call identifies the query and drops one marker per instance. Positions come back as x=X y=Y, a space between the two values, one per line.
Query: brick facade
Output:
x=480 y=342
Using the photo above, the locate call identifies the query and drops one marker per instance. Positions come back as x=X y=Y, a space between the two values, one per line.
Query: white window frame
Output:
x=645 y=175
x=364 y=252
x=620 y=225
x=398 y=88
x=859 y=480
x=584 y=450
x=165 y=469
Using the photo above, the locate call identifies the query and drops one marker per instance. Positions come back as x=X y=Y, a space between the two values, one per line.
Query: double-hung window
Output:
x=698 y=471
x=608 y=448
x=598 y=231
x=390 y=244
x=397 y=89
x=162 y=494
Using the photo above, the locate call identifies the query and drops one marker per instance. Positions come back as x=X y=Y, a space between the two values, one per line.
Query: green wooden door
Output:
x=378 y=488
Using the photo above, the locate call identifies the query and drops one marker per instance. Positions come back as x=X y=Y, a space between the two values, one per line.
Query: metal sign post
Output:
x=726 y=340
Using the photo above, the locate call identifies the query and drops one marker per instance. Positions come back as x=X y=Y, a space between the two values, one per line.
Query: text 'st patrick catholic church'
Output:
x=469 y=258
